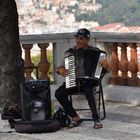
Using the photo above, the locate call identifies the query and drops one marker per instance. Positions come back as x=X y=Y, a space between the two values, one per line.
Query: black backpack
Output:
x=61 y=116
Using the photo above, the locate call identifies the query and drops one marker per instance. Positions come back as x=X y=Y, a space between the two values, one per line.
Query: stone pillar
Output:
x=44 y=64
x=133 y=66
x=28 y=62
x=123 y=65
x=114 y=65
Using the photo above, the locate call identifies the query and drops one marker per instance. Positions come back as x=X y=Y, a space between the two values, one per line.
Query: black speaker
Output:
x=36 y=100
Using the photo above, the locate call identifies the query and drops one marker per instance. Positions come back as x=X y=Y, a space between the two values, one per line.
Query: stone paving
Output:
x=122 y=123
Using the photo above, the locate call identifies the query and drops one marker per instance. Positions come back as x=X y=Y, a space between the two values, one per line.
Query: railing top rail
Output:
x=99 y=36
x=117 y=37
x=46 y=38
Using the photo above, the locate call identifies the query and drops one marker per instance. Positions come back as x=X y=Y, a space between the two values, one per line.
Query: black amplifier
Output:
x=36 y=100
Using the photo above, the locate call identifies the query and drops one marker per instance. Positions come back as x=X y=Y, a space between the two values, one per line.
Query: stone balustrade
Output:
x=123 y=55
x=124 y=64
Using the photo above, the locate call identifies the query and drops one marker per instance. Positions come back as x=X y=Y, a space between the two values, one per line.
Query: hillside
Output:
x=124 y=11
x=47 y=16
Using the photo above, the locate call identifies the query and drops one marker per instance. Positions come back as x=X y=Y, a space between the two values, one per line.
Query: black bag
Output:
x=61 y=116
x=40 y=126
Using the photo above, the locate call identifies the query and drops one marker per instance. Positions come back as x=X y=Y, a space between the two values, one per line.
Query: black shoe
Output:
x=75 y=123
x=10 y=113
x=98 y=124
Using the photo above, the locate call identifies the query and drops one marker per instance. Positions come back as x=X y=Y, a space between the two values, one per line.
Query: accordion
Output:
x=83 y=64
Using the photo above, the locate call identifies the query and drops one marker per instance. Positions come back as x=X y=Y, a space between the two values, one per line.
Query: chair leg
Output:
x=70 y=98
x=101 y=99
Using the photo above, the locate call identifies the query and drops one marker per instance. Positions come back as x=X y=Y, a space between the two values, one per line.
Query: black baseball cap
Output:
x=83 y=32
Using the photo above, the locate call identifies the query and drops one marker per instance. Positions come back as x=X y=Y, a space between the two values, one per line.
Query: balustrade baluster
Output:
x=114 y=65
x=133 y=65
x=27 y=61
x=44 y=64
x=138 y=53
x=123 y=65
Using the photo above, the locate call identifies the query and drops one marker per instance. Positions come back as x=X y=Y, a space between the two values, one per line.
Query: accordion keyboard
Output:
x=70 y=65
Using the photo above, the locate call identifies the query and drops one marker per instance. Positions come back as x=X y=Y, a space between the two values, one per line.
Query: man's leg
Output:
x=62 y=96
x=88 y=90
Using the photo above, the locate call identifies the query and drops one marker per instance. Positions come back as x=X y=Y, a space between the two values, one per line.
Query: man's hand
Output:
x=104 y=64
x=62 y=71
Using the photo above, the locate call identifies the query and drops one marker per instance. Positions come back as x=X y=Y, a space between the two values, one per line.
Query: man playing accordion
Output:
x=82 y=40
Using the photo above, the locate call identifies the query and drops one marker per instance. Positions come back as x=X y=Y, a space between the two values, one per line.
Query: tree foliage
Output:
x=124 y=11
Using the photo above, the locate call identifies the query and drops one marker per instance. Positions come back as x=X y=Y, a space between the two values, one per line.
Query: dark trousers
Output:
x=87 y=88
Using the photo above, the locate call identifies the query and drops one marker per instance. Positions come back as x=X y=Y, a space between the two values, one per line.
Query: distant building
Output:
x=116 y=27
x=92 y=6
x=111 y=27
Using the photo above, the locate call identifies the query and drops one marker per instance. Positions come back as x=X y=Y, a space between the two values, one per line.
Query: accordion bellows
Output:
x=85 y=64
